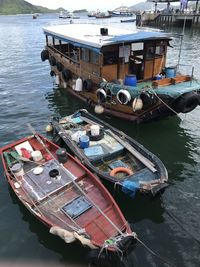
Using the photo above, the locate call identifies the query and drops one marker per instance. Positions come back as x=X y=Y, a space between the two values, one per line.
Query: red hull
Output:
x=96 y=216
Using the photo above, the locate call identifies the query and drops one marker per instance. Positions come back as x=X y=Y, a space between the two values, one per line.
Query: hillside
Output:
x=12 y=7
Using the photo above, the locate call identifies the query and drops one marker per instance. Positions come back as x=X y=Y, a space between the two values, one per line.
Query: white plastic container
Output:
x=94 y=129
x=17 y=170
x=78 y=85
x=36 y=155
x=76 y=136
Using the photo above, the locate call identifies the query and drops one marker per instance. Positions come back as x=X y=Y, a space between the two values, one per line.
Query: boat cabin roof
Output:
x=89 y=35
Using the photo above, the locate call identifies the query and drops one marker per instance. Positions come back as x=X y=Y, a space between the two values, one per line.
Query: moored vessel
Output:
x=61 y=193
x=111 y=154
x=122 y=70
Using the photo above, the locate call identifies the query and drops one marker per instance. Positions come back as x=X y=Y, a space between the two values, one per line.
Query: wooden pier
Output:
x=159 y=20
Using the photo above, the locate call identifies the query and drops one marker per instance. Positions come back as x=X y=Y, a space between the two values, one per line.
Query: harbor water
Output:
x=169 y=225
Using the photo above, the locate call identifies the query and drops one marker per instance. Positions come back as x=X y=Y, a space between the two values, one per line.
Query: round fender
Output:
x=66 y=74
x=52 y=73
x=187 y=102
x=52 y=61
x=121 y=169
x=147 y=98
x=87 y=85
x=44 y=55
x=137 y=104
x=101 y=95
x=59 y=66
x=123 y=96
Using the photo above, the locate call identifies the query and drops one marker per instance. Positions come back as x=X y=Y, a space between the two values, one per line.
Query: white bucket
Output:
x=17 y=170
x=94 y=130
x=36 y=155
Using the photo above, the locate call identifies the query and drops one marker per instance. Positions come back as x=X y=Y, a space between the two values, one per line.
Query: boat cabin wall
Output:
x=80 y=61
x=154 y=58
x=143 y=59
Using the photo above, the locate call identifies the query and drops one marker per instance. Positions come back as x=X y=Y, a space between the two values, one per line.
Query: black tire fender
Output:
x=87 y=85
x=52 y=73
x=66 y=74
x=44 y=55
x=187 y=102
x=59 y=66
x=52 y=61
x=148 y=99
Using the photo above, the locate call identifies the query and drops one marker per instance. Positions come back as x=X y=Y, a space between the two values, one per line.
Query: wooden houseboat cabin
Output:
x=118 y=71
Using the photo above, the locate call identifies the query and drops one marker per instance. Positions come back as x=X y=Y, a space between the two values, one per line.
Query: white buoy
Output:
x=137 y=104
x=49 y=128
x=99 y=109
x=78 y=85
x=57 y=81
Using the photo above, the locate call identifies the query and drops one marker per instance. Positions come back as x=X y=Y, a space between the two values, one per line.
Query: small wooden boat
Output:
x=111 y=154
x=64 y=195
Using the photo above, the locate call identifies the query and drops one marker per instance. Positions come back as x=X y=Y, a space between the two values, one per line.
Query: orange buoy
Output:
x=121 y=169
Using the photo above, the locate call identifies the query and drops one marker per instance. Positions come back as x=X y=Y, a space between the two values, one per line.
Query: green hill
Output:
x=12 y=7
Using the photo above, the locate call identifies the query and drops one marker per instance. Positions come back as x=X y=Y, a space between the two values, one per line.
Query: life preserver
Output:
x=101 y=95
x=52 y=61
x=44 y=55
x=123 y=96
x=66 y=74
x=87 y=85
x=59 y=66
x=187 y=102
x=121 y=169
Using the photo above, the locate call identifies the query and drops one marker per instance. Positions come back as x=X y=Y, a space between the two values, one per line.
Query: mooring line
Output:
x=155 y=254
x=179 y=223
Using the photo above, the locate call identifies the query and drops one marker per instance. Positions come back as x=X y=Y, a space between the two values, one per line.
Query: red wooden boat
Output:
x=64 y=195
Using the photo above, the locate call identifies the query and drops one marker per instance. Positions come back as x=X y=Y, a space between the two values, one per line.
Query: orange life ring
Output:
x=121 y=169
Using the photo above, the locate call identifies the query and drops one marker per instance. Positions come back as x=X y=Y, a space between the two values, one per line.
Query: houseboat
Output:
x=119 y=72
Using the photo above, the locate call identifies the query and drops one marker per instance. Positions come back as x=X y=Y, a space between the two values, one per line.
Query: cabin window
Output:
x=150 y=52
x=50 y=40
x=124 y=52
x=160 y=50
x=94 y=57
x=85 y=54
x=110 y=58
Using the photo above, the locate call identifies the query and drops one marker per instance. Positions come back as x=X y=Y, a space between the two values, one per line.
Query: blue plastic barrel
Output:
x=130 y=80
x=170 y=72
x=84 y=141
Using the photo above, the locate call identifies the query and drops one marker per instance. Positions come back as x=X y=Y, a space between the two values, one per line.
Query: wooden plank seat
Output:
x=169 y=81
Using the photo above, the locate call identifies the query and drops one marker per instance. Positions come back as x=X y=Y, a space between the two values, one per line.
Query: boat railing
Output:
x=183 y=69
x=71 y=60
